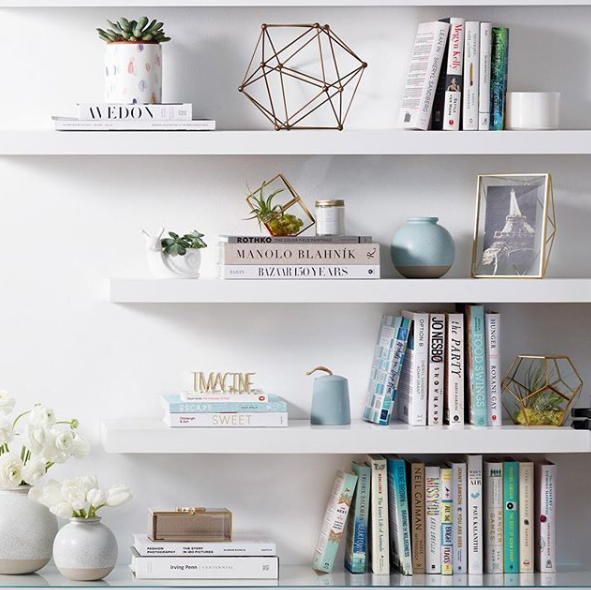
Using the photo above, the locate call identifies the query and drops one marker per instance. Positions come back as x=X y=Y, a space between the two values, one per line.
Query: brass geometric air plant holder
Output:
x=302 y=76
x=539 y=390
x=277 y=206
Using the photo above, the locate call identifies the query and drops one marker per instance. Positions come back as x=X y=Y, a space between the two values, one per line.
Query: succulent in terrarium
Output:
x=134 y=31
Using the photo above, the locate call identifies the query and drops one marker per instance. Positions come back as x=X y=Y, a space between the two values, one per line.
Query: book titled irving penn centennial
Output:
x=357 y=525
x=299 y=271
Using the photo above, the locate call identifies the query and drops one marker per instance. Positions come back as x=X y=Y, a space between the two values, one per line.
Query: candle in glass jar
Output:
x=330 y=217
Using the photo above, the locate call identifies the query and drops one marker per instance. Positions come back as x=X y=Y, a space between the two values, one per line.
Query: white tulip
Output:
x=6 y=402
x=11 y=471
x=74 y=493
x=34 y=438
x=41 y=416
x=49 y=495
x=118 y=495
x=33 y=471
x=63 y=510
x=6 y=432
x=96 y=498
x=87 y=482
x=80 y=447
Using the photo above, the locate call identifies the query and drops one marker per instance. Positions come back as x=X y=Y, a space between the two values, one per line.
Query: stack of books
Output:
x=301 y=257
x=437 y=368
x=467 y=64
x=133 y=117
x=468 y=515
x=220 y=410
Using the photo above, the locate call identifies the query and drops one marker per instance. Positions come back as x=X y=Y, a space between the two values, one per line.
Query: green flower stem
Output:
x=83 y=513
x=18 y=418
x=49 y=465
x=76 y=514
x=73 y=423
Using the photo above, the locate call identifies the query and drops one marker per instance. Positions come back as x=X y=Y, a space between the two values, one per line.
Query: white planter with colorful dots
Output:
x=133 y=73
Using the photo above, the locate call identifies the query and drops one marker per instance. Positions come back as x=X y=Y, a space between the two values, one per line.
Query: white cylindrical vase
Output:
x=85 y=550
x=532 y=111
x=133 y=73
x=27 y=531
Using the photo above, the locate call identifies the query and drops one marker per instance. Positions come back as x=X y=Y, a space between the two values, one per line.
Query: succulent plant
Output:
x=134 y=31
x=176 y=245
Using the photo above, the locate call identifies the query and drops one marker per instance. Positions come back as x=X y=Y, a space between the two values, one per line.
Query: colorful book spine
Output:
x=335 y=518
x=416 y=482
x=296 y=239
x=526 y=517
x=455 y=377
x=460 y=555
x=511 y=516
x=400 y=346
x=476 y=374
x=471 y=76
x=493 y=363
x=484 y=77
x=399 y=515
x=432 y=512
x=175 y=405
x=498 y=77
x=493 y=524
x=475 y=538
x=436 y=369
x=421 y=82
x=413 y=386
x=379 y=526
x=227 y=420
x=245 y=547
x=162 y=112
x=446 y=511
x=357 y=525
x=545 y=512
x=299 y=271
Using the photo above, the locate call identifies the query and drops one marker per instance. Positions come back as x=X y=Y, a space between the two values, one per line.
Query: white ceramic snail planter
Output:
x=85 y=550
x=27 y=531
x=165 y=266
x=133 y=73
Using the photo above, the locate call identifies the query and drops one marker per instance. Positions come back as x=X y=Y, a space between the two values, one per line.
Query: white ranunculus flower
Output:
x=118 y=495
x=34 y=470
x=34 y=438
x=96 y=498
x=49 y=495
x=80 y=447
x=11 y=471
x=6 y=402
x=62 y=510
x=41 y=416
x=64 y=440
x=50 y=451
x=74 y=493
x=6 y=432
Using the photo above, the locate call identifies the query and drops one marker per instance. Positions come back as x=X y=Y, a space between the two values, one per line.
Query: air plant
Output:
x=134 y=31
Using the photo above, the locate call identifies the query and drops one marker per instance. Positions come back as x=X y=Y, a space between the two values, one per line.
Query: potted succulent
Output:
x=175 y=257
x=133 y=60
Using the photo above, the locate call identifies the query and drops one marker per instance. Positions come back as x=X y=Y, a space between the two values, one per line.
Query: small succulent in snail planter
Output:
x=134 y=31
x=176 y=245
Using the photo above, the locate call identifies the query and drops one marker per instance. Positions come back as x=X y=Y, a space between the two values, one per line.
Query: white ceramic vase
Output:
x=27 y=531
x=133 y=73
x=85 y=550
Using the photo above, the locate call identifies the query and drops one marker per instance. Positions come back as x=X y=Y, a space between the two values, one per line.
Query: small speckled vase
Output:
x=27 y=531
x=85 y=550
x=422 y=249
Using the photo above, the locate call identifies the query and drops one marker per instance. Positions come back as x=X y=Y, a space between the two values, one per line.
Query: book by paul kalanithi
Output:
x=526 y=516
x=446 y=511
x=470 y=95
x=358 y=522
x=475 y=514
x=493 y=516
x=545 y=516
x=416 y=484
x=399 y=515
x=493 y=364
x=459 y=497
x=423 y=73
x=379 y=538
x=484 y=77
x=511 y=516
x=432 y=512
x=455 y=376
x=436 y=391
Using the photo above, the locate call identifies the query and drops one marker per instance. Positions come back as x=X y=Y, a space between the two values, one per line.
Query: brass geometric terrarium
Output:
x=539 y=390
x=277 y=206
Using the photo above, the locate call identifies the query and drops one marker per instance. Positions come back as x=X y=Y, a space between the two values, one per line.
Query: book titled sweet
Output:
x=545 y=512
x=471 y=76
x=454 y=376
x=421 y=81
x=446 y=511
x=432 y=512
x=416 y=484
x=358 y=523
x=174 y=404
x=493 y=514
x=476 y=360
x=379 y=538
x=511 y=516
x=204 y=568
x=335 y=519
x=499 y=65
x=493 y=364
x=460 y=556
x=227 y=420
x=484 y=77
x=73 y=124
x=475 y=525
x=436 y=390
x=296 y=239
x=134 y=112
x=526 y=517
x=299 y=271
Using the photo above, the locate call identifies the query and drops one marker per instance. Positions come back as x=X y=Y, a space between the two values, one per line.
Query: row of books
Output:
x=257 y=410
x=437 y=368
x=300 y=257
x=462 y=516
x=133 y=117
x=457 y=77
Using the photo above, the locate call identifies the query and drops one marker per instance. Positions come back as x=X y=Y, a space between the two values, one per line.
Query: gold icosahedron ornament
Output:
x=300 y=72
x=539 y=390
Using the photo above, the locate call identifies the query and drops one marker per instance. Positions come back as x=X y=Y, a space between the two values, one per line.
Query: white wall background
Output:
x=69 y=223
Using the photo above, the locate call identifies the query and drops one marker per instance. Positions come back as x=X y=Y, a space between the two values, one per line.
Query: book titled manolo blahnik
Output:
x=299 y=271
x=133 y=112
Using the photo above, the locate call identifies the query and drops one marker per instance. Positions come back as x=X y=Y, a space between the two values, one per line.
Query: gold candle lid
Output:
x=330 y=203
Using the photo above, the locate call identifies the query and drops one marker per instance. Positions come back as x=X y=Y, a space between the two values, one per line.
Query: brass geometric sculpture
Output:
x=539 y=390
x=302 y=72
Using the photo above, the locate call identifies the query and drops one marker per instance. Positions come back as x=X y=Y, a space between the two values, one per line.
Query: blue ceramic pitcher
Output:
x=330 y=399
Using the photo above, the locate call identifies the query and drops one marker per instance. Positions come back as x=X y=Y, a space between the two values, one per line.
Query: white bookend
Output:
x=545 y=517
x=423 y=73
x=379 y=526
x=436 y=368
x=452 y=112
x=459 y=492
x=471 y=76
x=433 y=518
x=484 y=77
x=454 y=378
x=226 y=420
x=493 y=524
x=135 y=112
x=526 y=517
x=493 y=362
x=475 y=528
x=413 y=385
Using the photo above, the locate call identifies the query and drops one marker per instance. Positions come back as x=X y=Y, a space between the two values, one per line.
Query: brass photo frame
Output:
x=515 y=226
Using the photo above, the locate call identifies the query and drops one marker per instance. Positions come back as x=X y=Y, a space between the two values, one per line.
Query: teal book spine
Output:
x=399 y=515
x=399 y=354
x=477 y=362
x=499 y=65
x=357 y=525
x=175 y=405
x=511 y=516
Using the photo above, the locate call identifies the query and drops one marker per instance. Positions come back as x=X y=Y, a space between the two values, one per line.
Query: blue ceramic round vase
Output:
x=422 y=249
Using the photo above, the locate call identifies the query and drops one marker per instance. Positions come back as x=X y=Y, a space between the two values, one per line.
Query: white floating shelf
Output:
x=238 y=143
x=300 y=437
x=350 y=291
